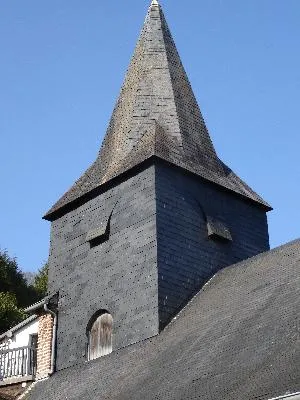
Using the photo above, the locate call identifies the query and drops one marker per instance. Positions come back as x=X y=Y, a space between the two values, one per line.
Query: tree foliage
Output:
x=15 y=293
x=10 y=314
x=11 y=278
x=41 y=281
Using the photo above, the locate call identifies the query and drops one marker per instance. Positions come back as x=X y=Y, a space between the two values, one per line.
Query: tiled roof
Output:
x=156 y=115
x=40 y=304
x=17 y=327
x=237 y=339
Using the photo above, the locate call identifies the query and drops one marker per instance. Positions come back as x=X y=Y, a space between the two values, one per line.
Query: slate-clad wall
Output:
x=157 y=257
x=187 y=258
x=119 y=275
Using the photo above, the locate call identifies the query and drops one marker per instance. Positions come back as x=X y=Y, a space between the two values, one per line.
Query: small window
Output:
x=33 y=341
x=100 y=336
x=99 y=235
x=217 y=229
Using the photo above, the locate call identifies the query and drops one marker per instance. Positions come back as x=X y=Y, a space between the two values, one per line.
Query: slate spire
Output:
x=156 y=115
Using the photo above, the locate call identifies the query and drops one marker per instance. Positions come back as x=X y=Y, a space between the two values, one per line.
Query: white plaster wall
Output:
x=11 y=363
x=21 y=337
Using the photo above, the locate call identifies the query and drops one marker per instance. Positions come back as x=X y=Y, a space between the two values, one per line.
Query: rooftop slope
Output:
x=156 y=115
x=238 y=338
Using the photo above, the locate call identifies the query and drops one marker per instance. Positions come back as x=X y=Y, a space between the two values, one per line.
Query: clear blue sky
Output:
x=62 y=65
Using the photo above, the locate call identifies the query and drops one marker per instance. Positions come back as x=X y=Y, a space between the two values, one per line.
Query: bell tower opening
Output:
x=100 y=335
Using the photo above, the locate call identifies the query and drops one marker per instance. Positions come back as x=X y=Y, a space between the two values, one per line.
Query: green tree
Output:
x=41 y=281
x=10 y=314
x=13 y=281
x=15 y=293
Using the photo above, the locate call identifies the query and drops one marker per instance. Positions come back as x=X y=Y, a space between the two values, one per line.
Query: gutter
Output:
x=54 y=315
x=44 y=304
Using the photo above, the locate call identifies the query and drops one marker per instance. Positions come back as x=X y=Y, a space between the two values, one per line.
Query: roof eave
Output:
x=40 y=304
x=17 y=327
x=53 y=213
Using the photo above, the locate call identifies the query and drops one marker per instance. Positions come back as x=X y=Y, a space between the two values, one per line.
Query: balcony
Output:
x=17 y=365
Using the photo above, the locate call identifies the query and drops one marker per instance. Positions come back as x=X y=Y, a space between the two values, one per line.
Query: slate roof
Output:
x=156 y=115
x=293 y=396
x=239 y=338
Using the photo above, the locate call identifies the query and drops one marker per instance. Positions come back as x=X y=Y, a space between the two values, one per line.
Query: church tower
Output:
x=153 y=218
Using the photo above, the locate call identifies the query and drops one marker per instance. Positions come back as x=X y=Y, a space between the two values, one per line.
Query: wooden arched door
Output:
x=100 y=336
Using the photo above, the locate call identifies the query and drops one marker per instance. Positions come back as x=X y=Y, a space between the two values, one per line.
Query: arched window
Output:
x=100 y=335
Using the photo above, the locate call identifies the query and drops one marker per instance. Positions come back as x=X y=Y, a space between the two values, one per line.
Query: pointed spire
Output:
x=156 y=115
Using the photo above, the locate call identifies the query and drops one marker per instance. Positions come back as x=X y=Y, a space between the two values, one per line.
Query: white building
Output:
x=18 y=351
x=22 y=335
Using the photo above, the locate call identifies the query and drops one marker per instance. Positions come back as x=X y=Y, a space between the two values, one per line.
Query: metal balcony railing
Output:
x=17 y=363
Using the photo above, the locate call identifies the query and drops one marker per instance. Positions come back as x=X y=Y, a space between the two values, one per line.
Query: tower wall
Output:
x=156 y=257
x=119 y=275
x=139 y=249
x=187 y=257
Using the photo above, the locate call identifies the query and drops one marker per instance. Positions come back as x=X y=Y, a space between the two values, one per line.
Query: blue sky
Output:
x=62 y=65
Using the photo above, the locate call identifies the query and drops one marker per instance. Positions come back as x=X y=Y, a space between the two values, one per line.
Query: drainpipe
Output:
x=54 y=315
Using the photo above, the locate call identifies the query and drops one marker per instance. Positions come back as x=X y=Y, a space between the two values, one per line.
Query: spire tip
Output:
x=154 y=3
